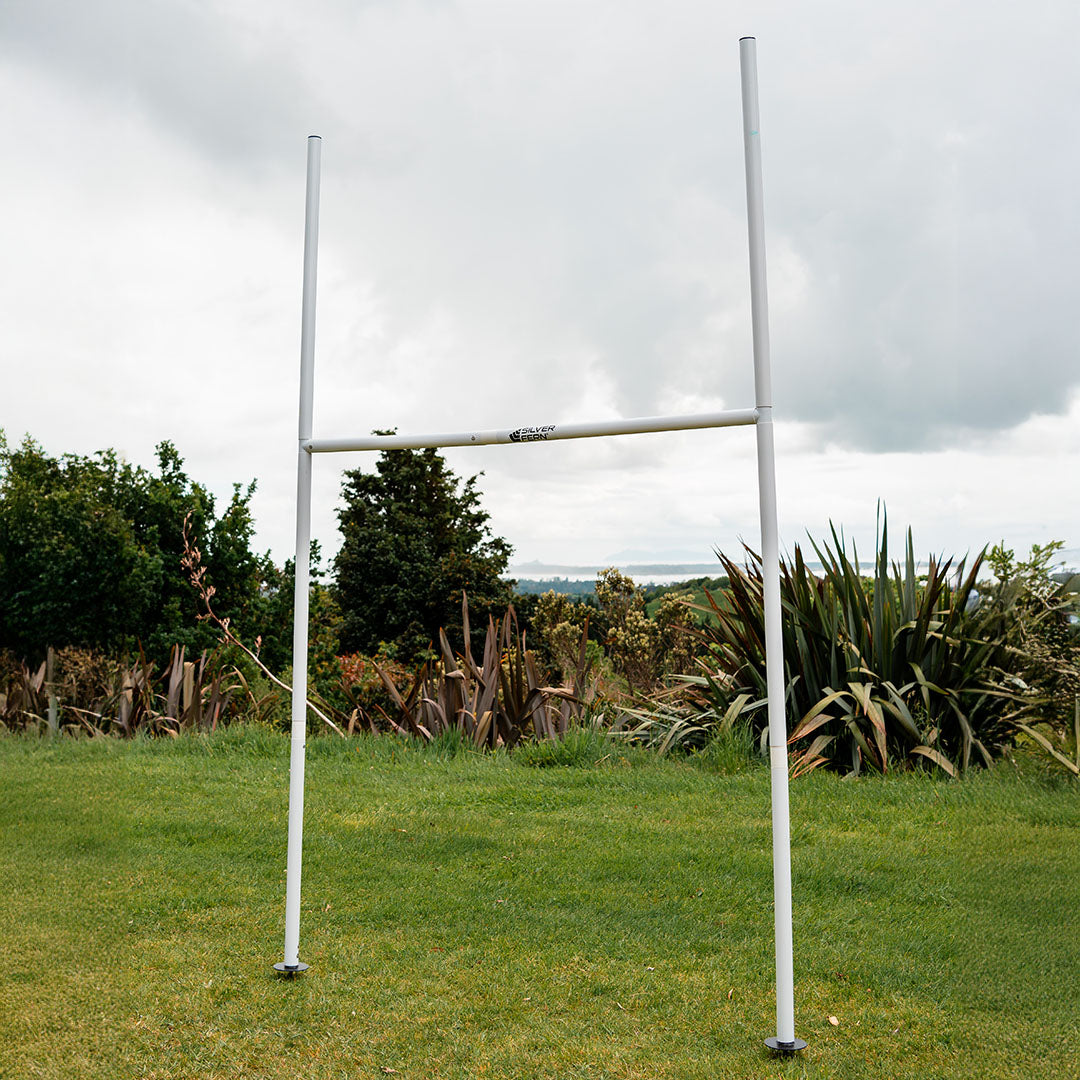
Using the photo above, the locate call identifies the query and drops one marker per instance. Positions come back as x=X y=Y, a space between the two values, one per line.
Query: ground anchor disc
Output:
x=785 y=1047
x=290 y=969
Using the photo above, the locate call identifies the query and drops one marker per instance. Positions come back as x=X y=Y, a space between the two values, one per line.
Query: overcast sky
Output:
x=533 y=211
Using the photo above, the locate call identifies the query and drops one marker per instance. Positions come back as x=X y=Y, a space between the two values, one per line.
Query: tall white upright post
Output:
x=291 y=963
x=770 y=560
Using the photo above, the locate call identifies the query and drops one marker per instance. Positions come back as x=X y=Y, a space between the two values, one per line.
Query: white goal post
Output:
x=760 y=416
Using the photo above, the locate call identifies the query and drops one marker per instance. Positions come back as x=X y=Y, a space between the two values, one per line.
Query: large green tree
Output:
x=90 y=550
x=415 y=536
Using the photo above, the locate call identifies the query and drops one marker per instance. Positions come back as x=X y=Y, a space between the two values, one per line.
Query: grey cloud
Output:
x=230 y=94
x=932 y=207
x=522 y=167
x=942 y=302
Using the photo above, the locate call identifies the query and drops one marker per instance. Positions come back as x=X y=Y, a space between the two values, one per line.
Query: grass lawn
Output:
x=476 y=917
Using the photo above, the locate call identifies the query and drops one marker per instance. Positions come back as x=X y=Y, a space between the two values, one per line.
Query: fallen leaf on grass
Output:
x=730 y=993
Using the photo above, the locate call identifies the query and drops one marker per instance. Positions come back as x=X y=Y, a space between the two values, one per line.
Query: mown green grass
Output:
x=471 y=916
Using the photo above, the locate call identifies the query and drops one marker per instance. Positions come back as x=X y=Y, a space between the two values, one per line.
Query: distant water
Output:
x=670 y=573
x=642 y=573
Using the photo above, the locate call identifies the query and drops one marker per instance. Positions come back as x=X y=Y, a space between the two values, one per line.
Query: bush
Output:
x=1036 y=613
x=557 y=623
x=643 y=650
x=362 y=682
x=497 y=701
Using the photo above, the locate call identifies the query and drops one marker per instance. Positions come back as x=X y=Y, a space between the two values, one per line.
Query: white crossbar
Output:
x=543 y=433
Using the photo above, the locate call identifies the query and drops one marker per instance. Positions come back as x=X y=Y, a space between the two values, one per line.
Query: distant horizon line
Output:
x=1069 y=561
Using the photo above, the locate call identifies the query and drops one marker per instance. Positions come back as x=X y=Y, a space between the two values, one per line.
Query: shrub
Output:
x=363 y=686
x=1035 y=612
x=558 y=622
x=644 y=650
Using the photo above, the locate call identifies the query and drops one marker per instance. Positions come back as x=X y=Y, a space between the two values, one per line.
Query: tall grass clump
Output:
x=582 y=744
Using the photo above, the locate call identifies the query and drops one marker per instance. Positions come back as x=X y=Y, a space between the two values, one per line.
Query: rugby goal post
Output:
x=760 y=416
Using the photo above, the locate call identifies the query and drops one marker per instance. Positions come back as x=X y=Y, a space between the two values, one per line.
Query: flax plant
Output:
x=96 y=695
x=880 y=669
x=497 y=701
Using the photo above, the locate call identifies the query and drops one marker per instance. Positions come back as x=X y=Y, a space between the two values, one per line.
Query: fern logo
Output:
x=532 y=434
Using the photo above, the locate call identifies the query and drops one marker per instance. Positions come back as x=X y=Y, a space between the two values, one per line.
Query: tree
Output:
x=90 y=550
x=414 y=538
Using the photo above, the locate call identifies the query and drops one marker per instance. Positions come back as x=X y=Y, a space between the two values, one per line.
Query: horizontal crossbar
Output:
x=543 y=433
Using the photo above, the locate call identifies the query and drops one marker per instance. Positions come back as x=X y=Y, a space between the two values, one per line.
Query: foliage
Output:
x=682 y=722
x=101 y=696
x=496 y=702
x=643 y=650
x=632 y=640
x=694 y=586
x=676 y=644
x=270 y=624
x=414 y=540
x=90 y=552
x=1035 y=612
x=878 y=670
x=558 y=622
x=192 y=562
x=564 y=586
x=362 y=688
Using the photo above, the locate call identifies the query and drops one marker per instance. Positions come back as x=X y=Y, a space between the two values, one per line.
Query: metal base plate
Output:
x=290 y=969
x=785 y=1047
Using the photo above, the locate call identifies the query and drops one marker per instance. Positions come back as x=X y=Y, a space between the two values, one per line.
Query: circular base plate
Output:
x=290 y=969
x=785 y=1047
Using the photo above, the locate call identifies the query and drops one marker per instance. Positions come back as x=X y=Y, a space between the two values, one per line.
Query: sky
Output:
x=534 y=212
